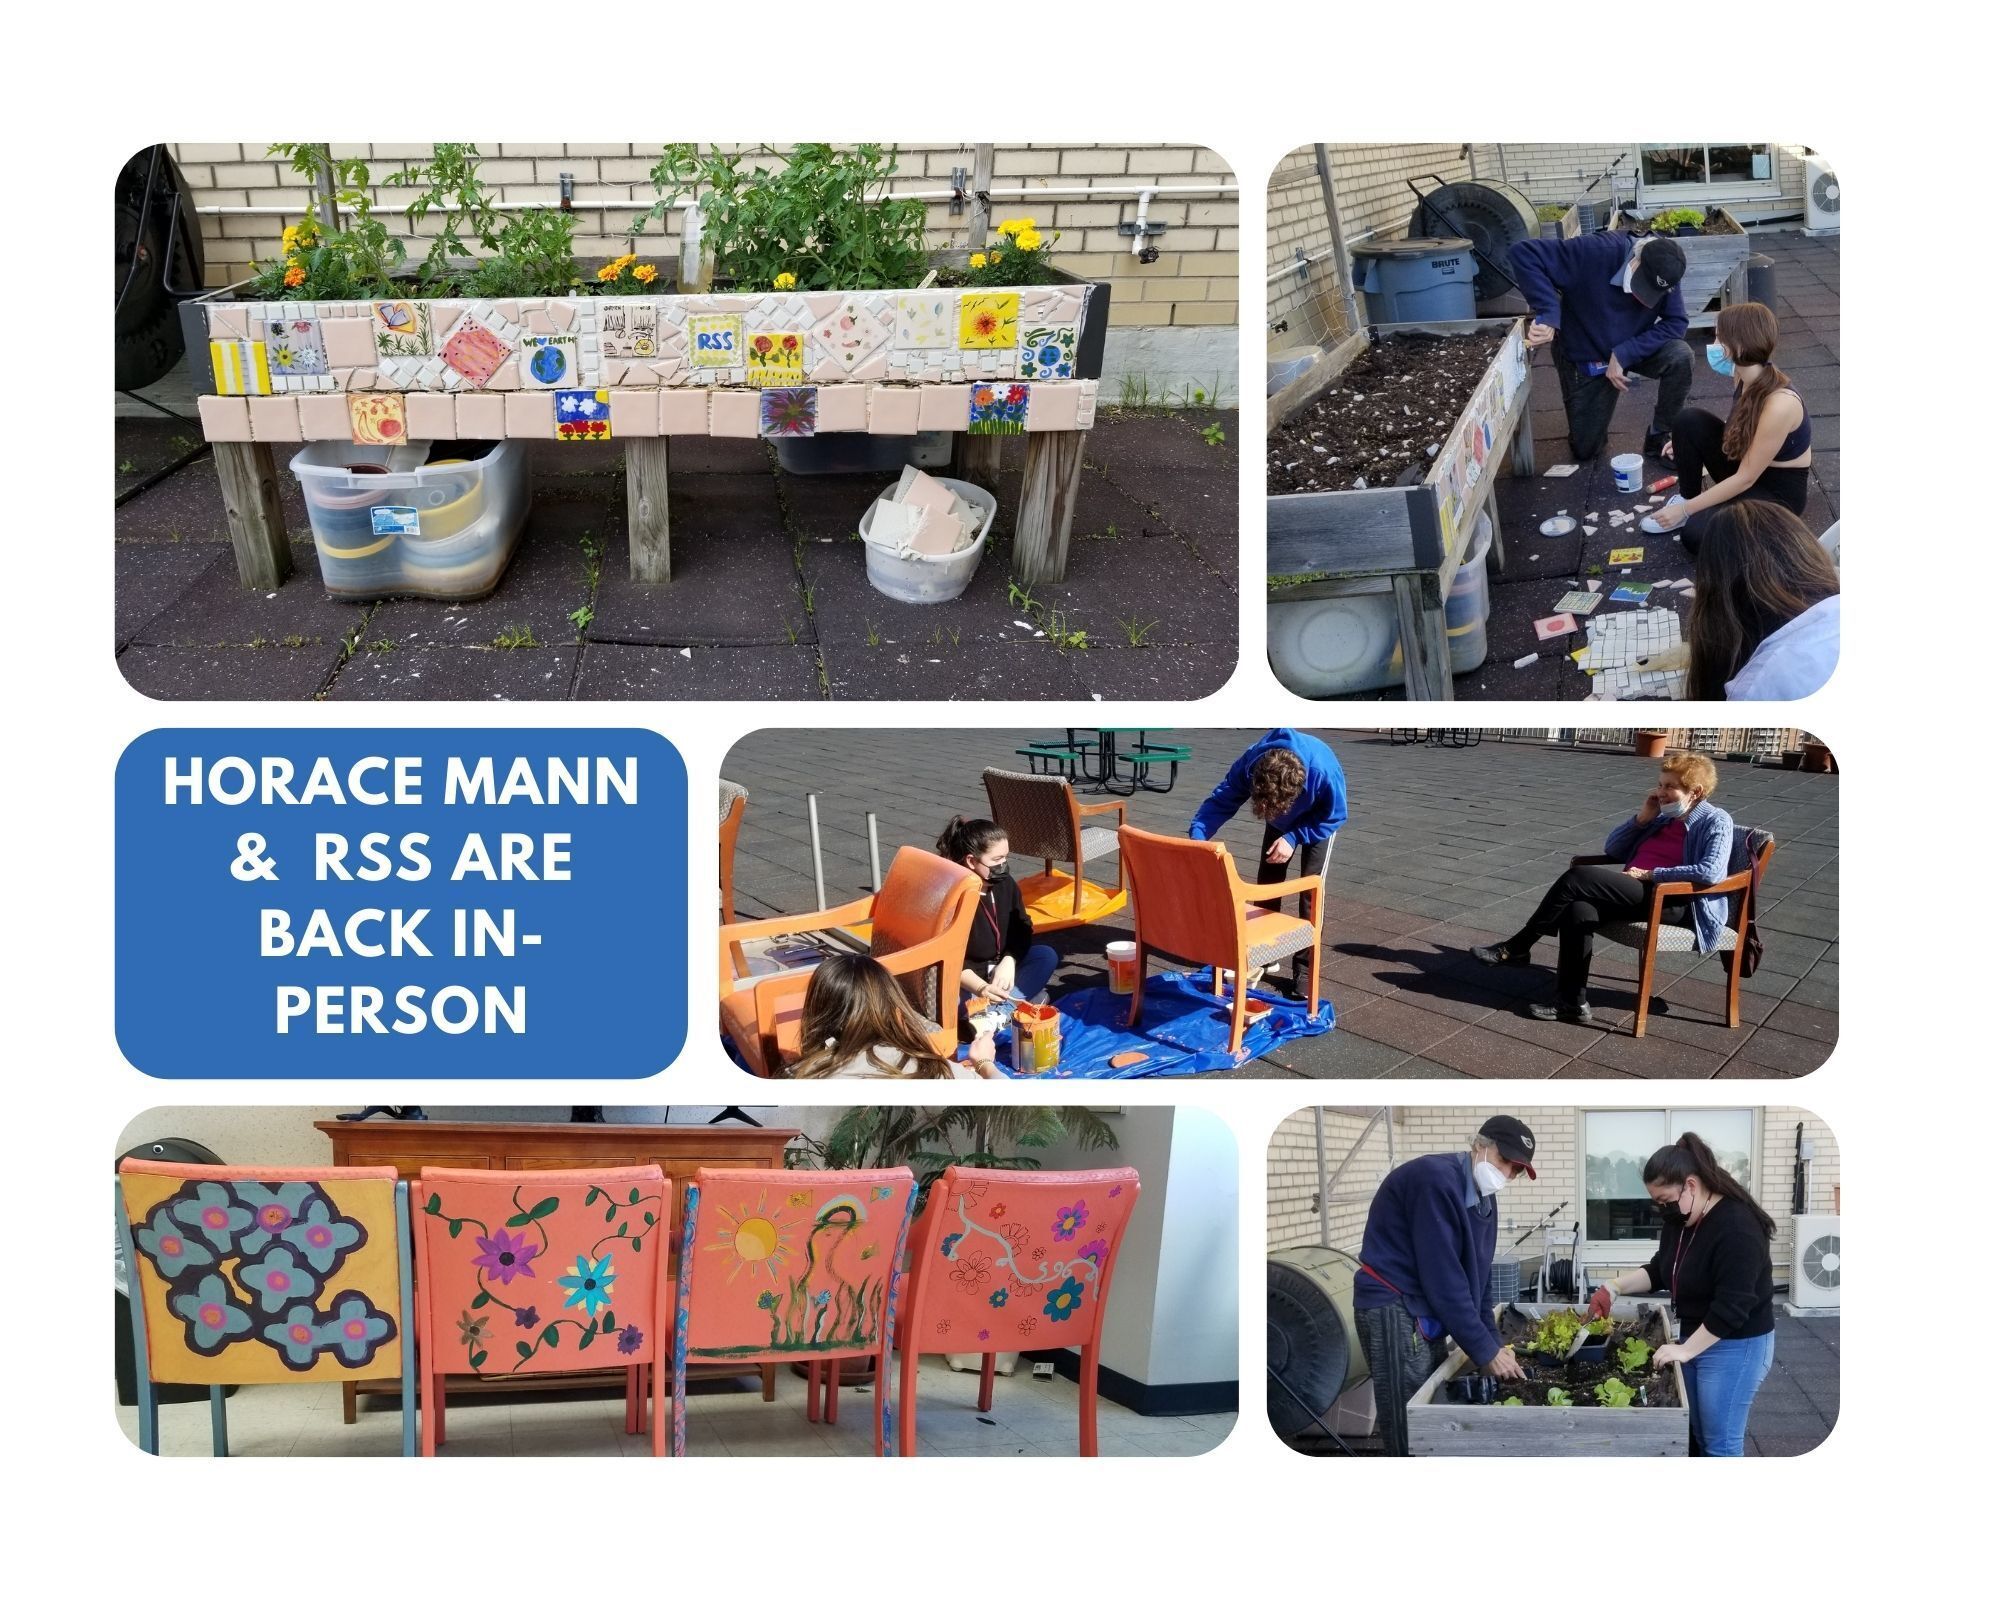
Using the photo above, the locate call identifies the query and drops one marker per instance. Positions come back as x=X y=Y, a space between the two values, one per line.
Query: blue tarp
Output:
x=1183 y=1029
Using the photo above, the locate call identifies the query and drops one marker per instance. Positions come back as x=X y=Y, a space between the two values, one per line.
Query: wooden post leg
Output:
x=1048 y=503
x=646 y=509
x=812 y=1391
x=1426 y=649
x=1645 y=992
x=249 y=480
x=1736 y=986
x=218 y=1419
x=988 y=1366
x=349 y=1402
x=769 y=1377
x=1086 y=1401
x=832 y=1391
x=906 y=1402
x=975 y=457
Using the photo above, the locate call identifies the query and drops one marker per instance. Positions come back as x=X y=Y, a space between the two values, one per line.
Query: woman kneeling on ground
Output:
x=1715 y=1261
x=1760 y=453
x=1678 y=835
x=1001 y=956
x=857 y=1024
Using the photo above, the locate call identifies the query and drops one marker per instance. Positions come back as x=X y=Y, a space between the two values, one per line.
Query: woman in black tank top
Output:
x=1761 y=452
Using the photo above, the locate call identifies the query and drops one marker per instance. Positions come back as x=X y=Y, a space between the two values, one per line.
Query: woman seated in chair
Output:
x=857 y=1024
x=1001 y=956
x=1678 y=835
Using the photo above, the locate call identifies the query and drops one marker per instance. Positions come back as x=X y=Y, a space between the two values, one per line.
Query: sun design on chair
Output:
x=832 y=1293
x=759 y=1240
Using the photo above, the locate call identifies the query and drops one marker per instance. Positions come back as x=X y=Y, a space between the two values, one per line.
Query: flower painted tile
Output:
x=583 y=416
x=402 y=328
x=927 y=321
x=850 y=335
x=988 y=321
x=998 y=408
x=788 y=413
x=777 y=360
x=241 y=366
x=295 y=348
x=629 y=330
x=715 y=340
x=377 y=419
x=475 y=352
x=548 y=360
x=1048 y=353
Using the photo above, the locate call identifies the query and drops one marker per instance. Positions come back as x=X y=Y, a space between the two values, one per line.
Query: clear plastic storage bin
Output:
x=438 y=520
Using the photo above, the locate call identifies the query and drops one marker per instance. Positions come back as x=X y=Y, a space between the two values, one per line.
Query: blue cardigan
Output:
x=1432 y=1236
x=1322 y=804
x=1711 y=837
x=1572 y=284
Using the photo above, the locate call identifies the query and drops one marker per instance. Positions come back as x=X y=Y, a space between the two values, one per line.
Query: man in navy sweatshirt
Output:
x=1296 y=789
x=1426 y=1255
x=1611 y=305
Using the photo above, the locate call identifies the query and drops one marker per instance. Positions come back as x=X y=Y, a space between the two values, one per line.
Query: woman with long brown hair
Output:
x=1714 y=1260
x=1761 y=452
x=857 y=1024
x=1765 y=621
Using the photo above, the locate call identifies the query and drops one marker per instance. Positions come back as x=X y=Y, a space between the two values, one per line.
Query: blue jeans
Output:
x=1721 y=1383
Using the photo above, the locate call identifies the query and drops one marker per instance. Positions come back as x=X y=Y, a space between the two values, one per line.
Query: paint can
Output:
x=1122 y=956
x=1629 y=472
x=1037 y=1038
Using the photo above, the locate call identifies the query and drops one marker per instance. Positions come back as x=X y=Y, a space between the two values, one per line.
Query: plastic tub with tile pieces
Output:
x=641 y=370
x=920 y=579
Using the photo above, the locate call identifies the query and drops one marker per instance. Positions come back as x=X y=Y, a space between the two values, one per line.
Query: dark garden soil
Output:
x=1392 y=410
x=1581 y=1379
x=1714 y=223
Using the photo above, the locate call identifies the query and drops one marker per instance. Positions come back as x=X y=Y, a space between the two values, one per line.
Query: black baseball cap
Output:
x=1661 y=265
x=1512 y=1138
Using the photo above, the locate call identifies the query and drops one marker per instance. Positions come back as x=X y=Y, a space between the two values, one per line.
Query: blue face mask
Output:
x=1673 y=808
x=1718 y=358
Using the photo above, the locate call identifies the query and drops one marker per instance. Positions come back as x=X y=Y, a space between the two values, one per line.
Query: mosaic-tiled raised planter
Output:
x=640 y=370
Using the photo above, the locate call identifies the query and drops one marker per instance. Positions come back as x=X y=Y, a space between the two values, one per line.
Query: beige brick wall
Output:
x=1291 y=1217
x=1193 y=283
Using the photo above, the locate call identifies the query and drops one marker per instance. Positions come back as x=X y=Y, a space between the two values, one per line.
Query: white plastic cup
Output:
x=1122 y=956
x=1629 y=472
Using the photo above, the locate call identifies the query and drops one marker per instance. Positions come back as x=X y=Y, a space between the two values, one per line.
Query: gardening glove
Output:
x=1600 y=1302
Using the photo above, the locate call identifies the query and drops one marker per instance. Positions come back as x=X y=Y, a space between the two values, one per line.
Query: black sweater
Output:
x=1725 y=1272
x=999 y=906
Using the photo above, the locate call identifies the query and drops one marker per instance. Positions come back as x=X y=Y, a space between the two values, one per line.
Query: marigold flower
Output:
x=785 y=280
x=1014 y=225
x=294 y=276
x=978 y=258
x=290 y=238
x=647 y=273
x=608 y=271
x=1027 y=239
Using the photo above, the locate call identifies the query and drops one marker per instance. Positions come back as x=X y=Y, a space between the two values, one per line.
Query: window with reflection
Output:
x=1617 y=1145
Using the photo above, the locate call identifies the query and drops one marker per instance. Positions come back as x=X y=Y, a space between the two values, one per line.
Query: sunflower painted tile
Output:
x=583 y=416
x=988 y=321
x=850 y=335
x=241 y=366
x=402 y=328
x=715 y=339
x=295 y=348
x=788 y=413
x=378 y=419
x=776 y=360
x=927 y=321
x=1048 y=353
x=998 y=408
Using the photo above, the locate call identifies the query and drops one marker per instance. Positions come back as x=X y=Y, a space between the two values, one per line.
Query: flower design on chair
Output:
x=1095 y=1253
x=296 y=1338
x=1069 y=1221
x=278 y=1278
x=950 y=1244
x=274 y=1208
x=997 y=1299
x=1063 y=1300
x=355 y=1331
x=589 y=1286
x=170 y=1250
x=506 y=1256
x=213 y=1211
x=322 y=1235
x=971 y=1272
x=211 y=1316
x=629 y=1340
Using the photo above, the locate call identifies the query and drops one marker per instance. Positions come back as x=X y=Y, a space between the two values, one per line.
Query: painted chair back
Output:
x=245 y=1275
x=1186 y=897
x=925 y=897
x=789 y=1266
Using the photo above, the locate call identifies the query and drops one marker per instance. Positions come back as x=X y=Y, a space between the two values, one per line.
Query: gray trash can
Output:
x=1417 y=280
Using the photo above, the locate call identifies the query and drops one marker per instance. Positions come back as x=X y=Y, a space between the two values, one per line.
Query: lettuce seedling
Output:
x=1560 y=1397
x=1634 y=1354
x=1615 y=1394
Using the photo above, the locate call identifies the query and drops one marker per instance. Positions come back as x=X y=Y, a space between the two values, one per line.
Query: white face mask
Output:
x=1488 y=1179
x=1674 y=808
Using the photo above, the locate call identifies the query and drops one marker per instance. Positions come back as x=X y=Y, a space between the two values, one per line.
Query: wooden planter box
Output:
x=1566 y=226
x=642 y=369
x=1438 y=1429
x=1716 y=263
x=1416 y=536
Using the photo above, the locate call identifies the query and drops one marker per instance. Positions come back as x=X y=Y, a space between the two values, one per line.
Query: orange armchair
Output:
x=1043 y=818
x=1189 y=904
x=731 y=800
x=919 y=924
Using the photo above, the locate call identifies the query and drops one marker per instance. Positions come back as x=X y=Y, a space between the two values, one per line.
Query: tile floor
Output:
x=1030 y=1417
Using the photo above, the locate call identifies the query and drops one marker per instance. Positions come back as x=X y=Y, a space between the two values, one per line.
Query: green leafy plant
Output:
x=1559 y=1397
x=1020 y=256
x=1615 y=1394
x=1213 y=435
x=1554 y=1334
x=1634 y=1355
x=527 y=253
x=927 y=1140
x=1135 y=630
x=516 y=636
x=1679 y=217
x=1511 y=1400
x=357 y=260
x=820 y=218
x=1550 y=213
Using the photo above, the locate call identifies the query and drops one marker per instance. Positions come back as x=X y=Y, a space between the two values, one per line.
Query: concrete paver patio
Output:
x=1444 y=849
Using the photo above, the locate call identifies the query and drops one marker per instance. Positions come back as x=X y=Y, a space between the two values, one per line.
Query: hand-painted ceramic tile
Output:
x=242 y=366
x=850 y=335
x=543 y=1272
x=377 y=419
x=715 y=340
x=998 y=408
x=475 y=352
x=1048 y=353
x=788 y=413
x=988 y=321
x=927 y=321
x=777 y=360
x=629 y=330
x=402 y=328
x=255 y=1276
x=583 y=415
x=548 y=360
x=295 y=348
x=1017 y=1261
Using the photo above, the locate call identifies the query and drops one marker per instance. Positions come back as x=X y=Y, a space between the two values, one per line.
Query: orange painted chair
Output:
x=795 y=1266
x=541 y=1272
x=918 y=927
x=265 y=1275
x=1190 y=904
x=731 y=802
x=1013 y=1261
x=1042 y=818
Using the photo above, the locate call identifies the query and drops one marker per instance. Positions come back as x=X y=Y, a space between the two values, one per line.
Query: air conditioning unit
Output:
x=1815 y=1261
x=1822 y=197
